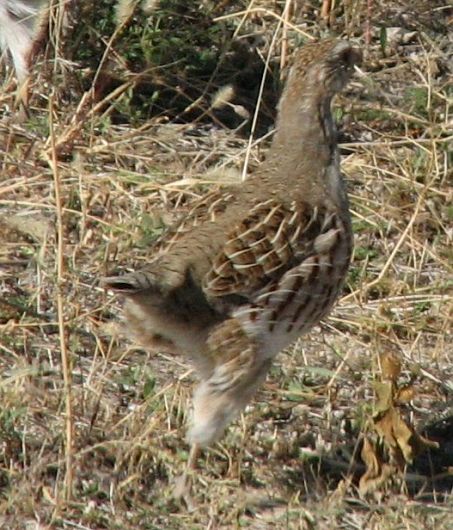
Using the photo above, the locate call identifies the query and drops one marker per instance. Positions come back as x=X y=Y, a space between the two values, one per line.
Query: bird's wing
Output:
x=270 y=240
x=208 y=208
x=158 y=276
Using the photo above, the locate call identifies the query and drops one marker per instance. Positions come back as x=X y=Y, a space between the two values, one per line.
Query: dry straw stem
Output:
x=60 y=279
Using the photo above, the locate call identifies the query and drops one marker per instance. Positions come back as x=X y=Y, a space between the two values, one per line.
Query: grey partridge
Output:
x=254 y=266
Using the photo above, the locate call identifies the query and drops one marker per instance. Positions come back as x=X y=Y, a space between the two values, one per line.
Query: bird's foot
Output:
x=183 y=490
x=183 y=484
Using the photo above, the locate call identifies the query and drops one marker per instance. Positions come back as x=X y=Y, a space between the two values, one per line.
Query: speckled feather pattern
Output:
x=254 y=266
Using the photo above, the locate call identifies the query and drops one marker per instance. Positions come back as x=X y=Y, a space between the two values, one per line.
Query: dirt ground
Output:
x=92 y=428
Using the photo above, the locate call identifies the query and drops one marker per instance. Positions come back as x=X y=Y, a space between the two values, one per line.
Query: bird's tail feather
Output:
x=129 y=284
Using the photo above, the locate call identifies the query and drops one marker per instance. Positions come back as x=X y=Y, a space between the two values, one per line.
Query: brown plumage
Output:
x=253 y=267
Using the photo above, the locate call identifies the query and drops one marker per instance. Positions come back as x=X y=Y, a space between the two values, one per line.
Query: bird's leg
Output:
x=183 y=483
x=221 y=397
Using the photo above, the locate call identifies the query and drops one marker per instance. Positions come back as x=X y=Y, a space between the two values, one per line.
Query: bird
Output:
x=253 y=266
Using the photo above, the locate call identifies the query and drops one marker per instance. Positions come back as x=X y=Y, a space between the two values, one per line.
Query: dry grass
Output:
x=92 y=429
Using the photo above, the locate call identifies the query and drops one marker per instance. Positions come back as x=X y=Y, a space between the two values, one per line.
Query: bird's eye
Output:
x=347 y=57
x=350 y=56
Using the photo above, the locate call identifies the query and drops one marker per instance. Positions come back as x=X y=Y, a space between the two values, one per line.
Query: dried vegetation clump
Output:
x=130 y=117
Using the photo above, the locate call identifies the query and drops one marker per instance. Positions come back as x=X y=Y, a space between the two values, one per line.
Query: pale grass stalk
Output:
x=56 y=21
x=284 y=51
x=65 y=354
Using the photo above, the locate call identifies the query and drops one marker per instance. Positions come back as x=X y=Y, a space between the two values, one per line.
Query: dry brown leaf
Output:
x=405 y=394
x=420 y=443
x=377 y=472
x=384 y=394
x=401 y=439
x=401 y=443
x=396 y=435
x=390 y=366
x=370 y=458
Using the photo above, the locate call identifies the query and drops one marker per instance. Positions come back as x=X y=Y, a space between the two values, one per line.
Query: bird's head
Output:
x=323 y=68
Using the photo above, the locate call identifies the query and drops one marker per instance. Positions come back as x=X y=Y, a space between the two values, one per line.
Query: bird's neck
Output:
x=304 y=147
x=305 y=129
